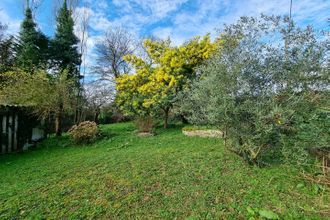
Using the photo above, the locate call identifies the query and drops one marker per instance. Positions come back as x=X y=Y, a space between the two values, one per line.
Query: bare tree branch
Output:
x=98 y=94
x=33 y=4
x=81 y=30
x=111 y=49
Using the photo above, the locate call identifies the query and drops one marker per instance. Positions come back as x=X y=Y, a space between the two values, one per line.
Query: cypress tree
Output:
x=65 y=56
x=64 y=46
x=32 y=45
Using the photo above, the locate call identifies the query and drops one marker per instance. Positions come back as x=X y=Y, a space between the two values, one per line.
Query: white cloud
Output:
x=102 y=4
x=156 y=9
x=96 y=4
x=161 y=8
x=13 y=24
x=198 y=17
x=212 y=14
x=163 y=32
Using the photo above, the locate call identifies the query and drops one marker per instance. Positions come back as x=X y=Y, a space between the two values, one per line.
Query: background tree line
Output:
x=32 y=59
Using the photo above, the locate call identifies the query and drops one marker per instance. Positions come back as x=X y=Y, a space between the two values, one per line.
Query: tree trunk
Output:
x=58 y=121
x=183 y=119
x=96 y=116
x=78 y=111
x=166 y=113
x=224 y=135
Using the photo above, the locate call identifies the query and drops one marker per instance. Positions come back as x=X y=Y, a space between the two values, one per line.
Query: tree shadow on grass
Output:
x=159 y=128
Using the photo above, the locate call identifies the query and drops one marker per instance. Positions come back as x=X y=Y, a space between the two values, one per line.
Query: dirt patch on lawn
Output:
x=145 y=134
x=204 y=133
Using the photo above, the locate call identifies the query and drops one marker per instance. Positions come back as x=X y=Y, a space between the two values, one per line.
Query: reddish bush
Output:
x=85 y=132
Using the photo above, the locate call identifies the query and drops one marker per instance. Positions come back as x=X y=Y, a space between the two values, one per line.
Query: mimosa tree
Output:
x=156 y=84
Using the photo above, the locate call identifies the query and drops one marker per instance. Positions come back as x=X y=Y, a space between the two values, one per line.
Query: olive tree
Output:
x=265 y=88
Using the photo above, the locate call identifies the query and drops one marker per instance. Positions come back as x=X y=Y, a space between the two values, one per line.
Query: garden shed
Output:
x=19 y=128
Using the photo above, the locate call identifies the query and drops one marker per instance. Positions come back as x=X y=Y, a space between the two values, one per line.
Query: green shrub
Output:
x=264 y=94
x=85 y=132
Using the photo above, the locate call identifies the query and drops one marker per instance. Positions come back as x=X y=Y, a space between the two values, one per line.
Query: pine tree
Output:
x=6 y=54
x=32 y=45
x=6 y=50
x=64 y=46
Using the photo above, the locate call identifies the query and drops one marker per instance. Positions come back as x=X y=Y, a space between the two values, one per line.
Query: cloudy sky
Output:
x=179 y=19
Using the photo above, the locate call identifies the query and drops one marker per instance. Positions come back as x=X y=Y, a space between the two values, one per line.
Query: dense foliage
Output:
x=159 y=78
x=84 y=132
x=7 y=54
x=55 y=64
x=64 y=46
x=50 y=95
x=6 y=50
x=267 y=89
x=32 y=46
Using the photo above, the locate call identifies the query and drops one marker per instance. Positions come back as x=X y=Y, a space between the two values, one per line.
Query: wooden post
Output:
x=15 y=130
x=10 y=133
x=4 y=126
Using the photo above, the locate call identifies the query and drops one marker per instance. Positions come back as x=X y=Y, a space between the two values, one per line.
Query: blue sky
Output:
x=179 y=19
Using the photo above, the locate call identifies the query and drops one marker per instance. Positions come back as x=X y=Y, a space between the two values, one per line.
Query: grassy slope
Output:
x=168 y=175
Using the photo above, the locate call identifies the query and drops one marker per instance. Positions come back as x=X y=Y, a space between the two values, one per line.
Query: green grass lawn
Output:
x=164 y=176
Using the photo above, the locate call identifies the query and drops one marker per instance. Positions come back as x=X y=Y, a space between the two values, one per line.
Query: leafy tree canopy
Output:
x=267 y=90
x=49 y=95
x=158 y=79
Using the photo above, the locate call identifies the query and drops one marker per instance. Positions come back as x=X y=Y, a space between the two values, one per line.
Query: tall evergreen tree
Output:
x=64 y=46
x=6 y=54
x=32 y=45
x=65 y=56
x=6 y=50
